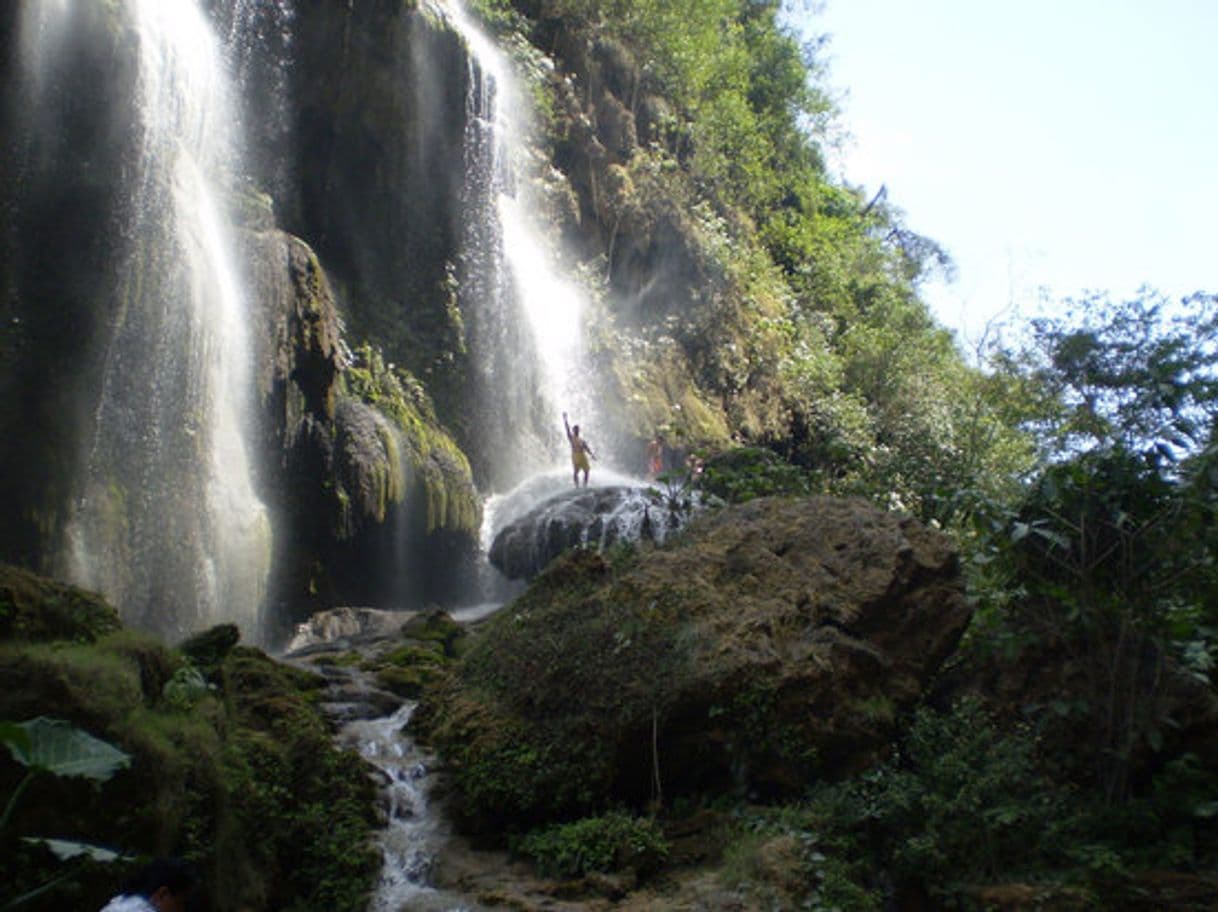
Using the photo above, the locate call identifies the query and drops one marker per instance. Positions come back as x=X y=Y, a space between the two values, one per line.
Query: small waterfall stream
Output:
x=372 y=722
x=413 y=832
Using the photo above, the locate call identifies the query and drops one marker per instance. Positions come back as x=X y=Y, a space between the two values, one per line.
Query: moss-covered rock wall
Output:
x=374 y=502
x=378 y=99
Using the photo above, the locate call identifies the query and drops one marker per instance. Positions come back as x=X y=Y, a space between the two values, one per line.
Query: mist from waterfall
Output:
x=525 y=315
x=167 y=524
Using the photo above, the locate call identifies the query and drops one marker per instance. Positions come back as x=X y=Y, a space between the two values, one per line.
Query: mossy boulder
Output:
x=208 y=649
x=35 y=608
x=435 y=626
x=770 y=643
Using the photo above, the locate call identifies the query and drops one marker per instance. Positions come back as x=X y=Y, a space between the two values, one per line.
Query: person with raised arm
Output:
x=580 y=452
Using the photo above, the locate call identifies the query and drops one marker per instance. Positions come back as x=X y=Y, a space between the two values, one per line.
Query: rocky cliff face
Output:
x=377 y=103
x=60 y=210
x=364 y=481
x=368 y=486
x=356 y=120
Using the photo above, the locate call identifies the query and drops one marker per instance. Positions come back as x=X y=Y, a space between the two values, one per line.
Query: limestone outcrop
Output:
x=365 y=467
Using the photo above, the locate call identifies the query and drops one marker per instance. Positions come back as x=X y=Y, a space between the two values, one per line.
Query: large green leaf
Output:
x=59 y=747
x=65 y=849
x=13 y=734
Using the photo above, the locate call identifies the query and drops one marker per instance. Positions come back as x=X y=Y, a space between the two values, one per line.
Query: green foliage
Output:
x=240 y=776
x=960 y=803
x=826 y=880
x=1107 y=559
x=1136 y=374
x=613 y=842
x=57 y=748
x=306 y=810
x=510 y=775
x=744 y=473
x=963 y=803
x=185 y=688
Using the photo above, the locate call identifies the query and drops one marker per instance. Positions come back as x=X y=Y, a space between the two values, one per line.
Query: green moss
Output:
x=341 y=660
x=435 y=627
x=406 y=681
x=437 y=463
x=408 y=656
x=208 y=649
x=243 y=779
x=36 y=608
x=553 y=697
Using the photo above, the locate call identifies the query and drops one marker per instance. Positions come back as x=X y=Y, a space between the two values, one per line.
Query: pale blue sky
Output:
x=1070 y=145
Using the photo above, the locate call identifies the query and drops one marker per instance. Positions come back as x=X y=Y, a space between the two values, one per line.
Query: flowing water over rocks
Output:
x=524 y=310
x=372 y=721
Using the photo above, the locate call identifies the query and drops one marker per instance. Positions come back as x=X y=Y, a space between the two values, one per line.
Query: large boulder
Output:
x=769 y=643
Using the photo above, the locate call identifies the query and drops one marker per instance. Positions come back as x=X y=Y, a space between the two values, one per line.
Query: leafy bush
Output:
x=778 y=858
x=961 y=802
x=53 y=747
x=748 y=472
x=613 y=842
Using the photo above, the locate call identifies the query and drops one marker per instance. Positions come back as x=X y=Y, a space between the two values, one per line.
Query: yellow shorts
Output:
x=580 y=462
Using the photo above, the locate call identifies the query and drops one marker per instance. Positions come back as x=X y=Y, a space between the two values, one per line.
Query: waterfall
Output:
x=414 y=834
x=167 y=523
x=525 y=315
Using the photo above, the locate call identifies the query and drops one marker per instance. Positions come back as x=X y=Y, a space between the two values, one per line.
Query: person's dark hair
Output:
x=174 y=873
x=575 y=429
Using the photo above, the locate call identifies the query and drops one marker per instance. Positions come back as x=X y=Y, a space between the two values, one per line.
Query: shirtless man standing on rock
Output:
x=580 y=452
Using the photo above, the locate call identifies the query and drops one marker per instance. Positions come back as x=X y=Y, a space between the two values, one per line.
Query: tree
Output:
x=1111 y=543
x=1135 y=374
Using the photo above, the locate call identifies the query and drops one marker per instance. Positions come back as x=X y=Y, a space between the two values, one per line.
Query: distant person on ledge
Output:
x=580 y=452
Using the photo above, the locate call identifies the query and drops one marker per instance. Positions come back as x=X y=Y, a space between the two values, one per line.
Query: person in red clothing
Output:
x=655 y=456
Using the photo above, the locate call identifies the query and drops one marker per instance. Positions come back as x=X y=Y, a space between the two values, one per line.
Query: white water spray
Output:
x=168 y=526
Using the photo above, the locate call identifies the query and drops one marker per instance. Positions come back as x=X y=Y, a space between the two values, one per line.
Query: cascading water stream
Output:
x=412 y=834
x=168 y=525
x=525 y=315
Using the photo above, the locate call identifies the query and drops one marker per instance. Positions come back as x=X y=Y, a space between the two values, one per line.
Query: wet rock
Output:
x=583 y=517
x=343 y=626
